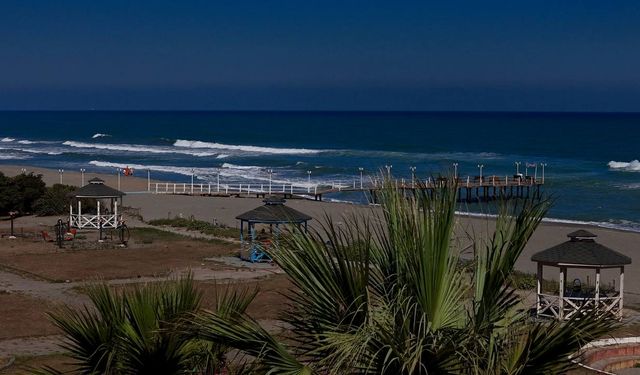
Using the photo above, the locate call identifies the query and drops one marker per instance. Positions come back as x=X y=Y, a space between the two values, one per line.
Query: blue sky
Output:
x=320 y=55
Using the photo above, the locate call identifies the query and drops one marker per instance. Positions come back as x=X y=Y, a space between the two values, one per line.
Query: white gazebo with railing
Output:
x=580 y=252
x=103 y=216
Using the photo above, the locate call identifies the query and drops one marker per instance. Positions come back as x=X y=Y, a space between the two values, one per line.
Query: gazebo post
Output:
x=597 y=287
x=115 y=213
x=563 y=273
x=539 y=288
x=241 y=232
x=79 y=213
x=621 y=289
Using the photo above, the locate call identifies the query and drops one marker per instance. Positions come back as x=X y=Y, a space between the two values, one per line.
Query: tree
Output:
x=8 y=194
x=29 y=187
x=139 y=330
x=20 y=192
x=54 y=201
x=391 y=295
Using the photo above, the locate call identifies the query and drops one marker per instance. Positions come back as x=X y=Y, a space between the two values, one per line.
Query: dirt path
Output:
x=67 y=293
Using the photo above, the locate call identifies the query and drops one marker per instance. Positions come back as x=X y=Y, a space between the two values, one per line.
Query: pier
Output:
x=470 y=189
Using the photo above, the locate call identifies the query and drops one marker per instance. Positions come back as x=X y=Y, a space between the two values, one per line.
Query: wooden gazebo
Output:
x=103 y=217
x=273 y=213
x=580 y=252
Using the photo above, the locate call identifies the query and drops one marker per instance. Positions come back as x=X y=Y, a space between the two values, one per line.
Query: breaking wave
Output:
x=137 y=148
x=632 y=166
x=100 y=135
x=7 y=139
x=243 y=148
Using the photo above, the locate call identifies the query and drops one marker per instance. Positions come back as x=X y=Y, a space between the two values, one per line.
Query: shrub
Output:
x=197 y=225
x=19 y=193
x=54 y=201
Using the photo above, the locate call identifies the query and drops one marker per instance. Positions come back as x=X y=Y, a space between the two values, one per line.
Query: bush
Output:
x=197 y=225
x=54 y=201
x=19 y=193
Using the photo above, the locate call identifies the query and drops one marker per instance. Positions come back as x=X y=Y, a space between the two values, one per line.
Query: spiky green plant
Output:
x=385 y=294
x=139 y=330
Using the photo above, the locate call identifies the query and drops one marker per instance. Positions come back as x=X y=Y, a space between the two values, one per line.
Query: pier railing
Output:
x=250 y=188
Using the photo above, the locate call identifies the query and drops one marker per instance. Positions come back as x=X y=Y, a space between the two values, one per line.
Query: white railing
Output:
x=549 y=305
x=239 y=187
x=93 y=221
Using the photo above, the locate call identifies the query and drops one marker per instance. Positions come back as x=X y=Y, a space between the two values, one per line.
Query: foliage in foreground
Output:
x=388 y=296
x=138 y=330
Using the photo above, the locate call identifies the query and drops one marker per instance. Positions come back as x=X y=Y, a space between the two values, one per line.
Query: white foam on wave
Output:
x=31 y=151
x=243 y=148
x=158 y=168
x=137 y=148
x=234 y=166
x=230 y=172
x=632 y=166
x=7 y=139
x=26 y=142
x=631 y=186
x=100 y=135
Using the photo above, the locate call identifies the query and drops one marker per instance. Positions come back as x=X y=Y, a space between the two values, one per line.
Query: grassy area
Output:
x=149 y=235
x=527 y=281
x=197 y=225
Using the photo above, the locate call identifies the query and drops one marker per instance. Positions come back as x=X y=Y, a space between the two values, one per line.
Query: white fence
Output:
x=93 y=221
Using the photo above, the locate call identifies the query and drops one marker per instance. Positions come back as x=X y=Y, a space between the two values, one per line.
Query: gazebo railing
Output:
x=549 y=305
x=93 y=221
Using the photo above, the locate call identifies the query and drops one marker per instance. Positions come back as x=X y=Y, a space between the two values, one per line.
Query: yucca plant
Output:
x=389 y=293
x=138 y=330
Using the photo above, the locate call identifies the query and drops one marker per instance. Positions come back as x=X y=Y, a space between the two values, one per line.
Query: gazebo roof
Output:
x=581 y=250
x=274 y=212
x=96 y=189
x=582 y=234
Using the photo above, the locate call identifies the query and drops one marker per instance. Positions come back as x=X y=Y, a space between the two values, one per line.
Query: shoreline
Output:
x=479 y=227
x=136 y=184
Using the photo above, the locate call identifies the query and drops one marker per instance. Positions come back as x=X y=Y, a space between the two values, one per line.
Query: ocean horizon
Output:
x=591 y=166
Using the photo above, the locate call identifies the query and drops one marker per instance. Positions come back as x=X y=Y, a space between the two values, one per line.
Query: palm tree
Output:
x=392 y=293
x=138 y=330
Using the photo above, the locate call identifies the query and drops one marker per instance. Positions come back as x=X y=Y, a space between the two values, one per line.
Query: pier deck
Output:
x=470 y=189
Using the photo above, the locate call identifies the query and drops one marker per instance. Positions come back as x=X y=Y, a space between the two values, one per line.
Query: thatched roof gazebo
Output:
x=274 y=213
x=580 y=252
x=104 y=217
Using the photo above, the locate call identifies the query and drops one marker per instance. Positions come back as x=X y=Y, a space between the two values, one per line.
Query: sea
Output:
x=591 y=166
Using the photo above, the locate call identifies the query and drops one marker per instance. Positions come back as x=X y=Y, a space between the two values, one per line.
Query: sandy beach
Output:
x=223 y=210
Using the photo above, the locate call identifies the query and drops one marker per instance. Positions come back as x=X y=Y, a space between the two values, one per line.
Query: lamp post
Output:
x=518 y=167
x=388 y=169
x=148 y=180
x=61 y=173
x=309 y=181
x=535 y=172
x=361 y=176
x=192 y=174
x=543 y=165
x=270 y=171
x=480 y=166
x=526 y=170
x=455 y=171
x=82 y=170
x=413 y=177
x=118 y=171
